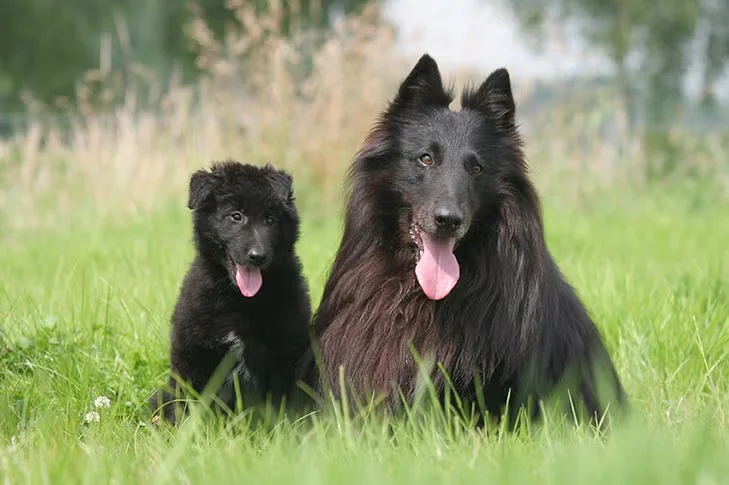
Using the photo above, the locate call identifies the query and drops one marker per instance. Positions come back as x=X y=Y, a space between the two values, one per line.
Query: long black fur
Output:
x=264 y=335
x=512 y=323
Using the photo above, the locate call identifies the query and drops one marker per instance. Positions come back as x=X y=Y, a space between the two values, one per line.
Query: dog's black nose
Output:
x=256 y=256
x=448 y=218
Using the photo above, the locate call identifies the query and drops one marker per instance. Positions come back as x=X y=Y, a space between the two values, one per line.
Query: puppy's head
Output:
x=245 y=219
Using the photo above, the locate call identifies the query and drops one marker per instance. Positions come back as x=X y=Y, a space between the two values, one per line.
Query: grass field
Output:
x=85 y=307
x=95 y=237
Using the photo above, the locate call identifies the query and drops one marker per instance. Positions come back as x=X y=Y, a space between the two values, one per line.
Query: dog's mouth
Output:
x=436 y=269
x=248 y=279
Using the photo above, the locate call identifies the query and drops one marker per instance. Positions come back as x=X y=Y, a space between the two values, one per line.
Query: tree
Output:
x=716 y=12
x=649 y=44
x=46 y=46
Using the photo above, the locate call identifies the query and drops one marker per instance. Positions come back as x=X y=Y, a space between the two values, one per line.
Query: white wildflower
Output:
x=13 y=442
x=102 y=402
x=92 y=417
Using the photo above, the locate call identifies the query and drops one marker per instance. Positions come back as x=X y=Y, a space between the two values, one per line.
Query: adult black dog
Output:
x=443 y=250
x=244 y=294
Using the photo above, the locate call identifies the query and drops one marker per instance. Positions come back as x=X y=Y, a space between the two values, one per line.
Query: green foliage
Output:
x=47 y=47
x=651 y=48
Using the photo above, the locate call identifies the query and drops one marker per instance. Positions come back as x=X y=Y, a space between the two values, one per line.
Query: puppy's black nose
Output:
x=256 y=256
x=448 y=218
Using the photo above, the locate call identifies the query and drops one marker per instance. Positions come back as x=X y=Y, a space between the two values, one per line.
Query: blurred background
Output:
x=106 y=105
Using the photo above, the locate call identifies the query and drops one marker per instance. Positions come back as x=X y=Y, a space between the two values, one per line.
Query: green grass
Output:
x=84 y=307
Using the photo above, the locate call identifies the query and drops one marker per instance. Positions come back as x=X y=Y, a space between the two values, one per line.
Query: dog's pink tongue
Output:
x=249 y=280
x=437 y=270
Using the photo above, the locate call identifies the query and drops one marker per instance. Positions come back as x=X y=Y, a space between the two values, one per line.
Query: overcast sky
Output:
x=483 y=36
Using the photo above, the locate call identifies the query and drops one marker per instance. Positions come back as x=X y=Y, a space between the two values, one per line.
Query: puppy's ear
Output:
x=282 y=184
x=202 y=184
x=494 y=99
x=423 y=86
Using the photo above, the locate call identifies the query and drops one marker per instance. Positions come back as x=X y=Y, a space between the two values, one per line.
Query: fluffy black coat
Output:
x=511 y=328
x=245 y=221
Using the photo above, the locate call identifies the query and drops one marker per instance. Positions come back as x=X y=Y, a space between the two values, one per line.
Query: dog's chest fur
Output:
x=400 y=323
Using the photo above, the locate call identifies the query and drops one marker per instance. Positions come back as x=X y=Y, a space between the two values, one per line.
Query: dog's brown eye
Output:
x=425 y=160
x=236 y=216
x=476 y=169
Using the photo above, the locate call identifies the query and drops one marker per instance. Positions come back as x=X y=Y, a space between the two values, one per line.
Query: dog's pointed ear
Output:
x=494 y=98
x=282 y=184
x=423 y=86
x=202 y=184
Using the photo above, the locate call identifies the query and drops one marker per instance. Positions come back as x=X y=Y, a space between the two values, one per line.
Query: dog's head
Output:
x=448 y=167
x=245 y=218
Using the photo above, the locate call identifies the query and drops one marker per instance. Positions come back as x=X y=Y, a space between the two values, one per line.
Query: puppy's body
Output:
x=244 y=295
x=264 y=335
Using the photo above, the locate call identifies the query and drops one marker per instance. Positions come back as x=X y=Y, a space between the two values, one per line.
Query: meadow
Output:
x=95 y=237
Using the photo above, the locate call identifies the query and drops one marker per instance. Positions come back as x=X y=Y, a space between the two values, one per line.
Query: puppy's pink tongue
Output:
x=437 y=270
x=249 y=280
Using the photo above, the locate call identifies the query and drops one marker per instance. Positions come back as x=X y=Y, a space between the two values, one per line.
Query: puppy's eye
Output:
x=236 y=216
x=270 y=220
x=476 y=169
x=425 y=160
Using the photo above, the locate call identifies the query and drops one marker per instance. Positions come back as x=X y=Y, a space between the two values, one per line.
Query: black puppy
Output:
x=244 y=296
